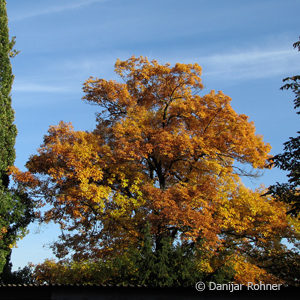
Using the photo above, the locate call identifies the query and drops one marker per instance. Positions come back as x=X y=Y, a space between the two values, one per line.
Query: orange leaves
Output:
x=147 y=83
x=185 y=207
x=161 y=153
x=26 y=178
x=158 y=103
x=115 y=95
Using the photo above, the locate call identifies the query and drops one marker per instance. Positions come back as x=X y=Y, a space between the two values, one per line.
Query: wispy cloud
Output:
x=250 y=64
x=32 y=87
x=235 y=65
x=231 y=66
x=55 y=9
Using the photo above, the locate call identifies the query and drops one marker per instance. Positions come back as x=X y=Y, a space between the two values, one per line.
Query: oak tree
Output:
x=161 y=154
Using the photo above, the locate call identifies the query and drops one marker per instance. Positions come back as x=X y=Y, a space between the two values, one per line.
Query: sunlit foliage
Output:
x=161 y=154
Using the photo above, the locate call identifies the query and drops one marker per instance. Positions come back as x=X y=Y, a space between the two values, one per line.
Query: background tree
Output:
x=173 y=265
x=15 y=206
x=289 y=160
x=162 y=155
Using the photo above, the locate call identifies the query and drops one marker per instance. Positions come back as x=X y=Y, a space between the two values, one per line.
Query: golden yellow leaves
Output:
x=161 y=153
x=247 y=213
x=2 y=232
x=246 y=272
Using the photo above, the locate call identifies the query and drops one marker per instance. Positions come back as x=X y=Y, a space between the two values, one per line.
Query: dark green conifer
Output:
x=15 y=207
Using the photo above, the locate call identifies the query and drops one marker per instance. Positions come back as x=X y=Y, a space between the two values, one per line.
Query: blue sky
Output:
x=244 y=47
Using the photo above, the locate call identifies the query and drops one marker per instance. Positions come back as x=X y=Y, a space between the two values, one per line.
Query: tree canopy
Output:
x=164 y=155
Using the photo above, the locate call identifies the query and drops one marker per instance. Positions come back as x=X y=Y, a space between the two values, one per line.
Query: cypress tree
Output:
x=15 y=207
x=8 y=130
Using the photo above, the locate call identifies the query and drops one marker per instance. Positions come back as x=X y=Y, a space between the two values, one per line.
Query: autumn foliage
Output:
x=161 y=154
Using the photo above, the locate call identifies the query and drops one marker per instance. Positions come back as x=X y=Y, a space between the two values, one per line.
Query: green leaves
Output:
x=15 y=207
